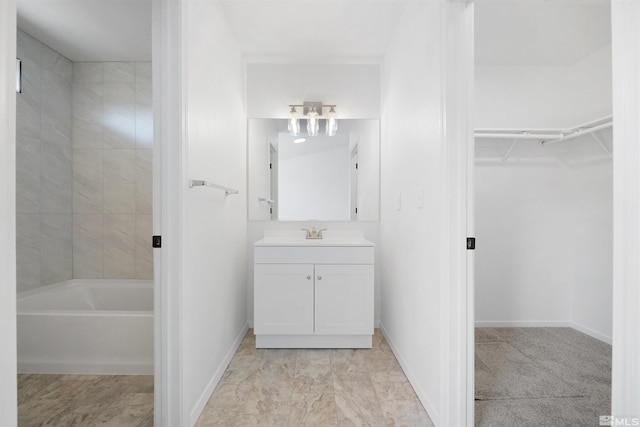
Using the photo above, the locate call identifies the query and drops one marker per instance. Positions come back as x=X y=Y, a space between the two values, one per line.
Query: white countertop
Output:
x=298 y=238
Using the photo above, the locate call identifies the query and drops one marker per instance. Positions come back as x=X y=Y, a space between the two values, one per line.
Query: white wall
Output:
x=214 y=313
x=513 y=96
x=353 y=88
x=544 y=228
x=524 y=216
x=412 y=163
x=592 y=249
x=8 y=375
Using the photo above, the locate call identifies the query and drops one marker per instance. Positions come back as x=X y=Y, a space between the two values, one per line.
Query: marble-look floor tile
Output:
x=317 y=409
x=356 y=402
x=85 y=400
x=405 y=413
x=348 y=361
x=128 y=416
x=313 y=387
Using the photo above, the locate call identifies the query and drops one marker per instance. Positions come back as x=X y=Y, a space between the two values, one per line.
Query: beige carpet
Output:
x=540 y=377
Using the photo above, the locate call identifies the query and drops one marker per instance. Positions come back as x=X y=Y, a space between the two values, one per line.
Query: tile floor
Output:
x=266 y=387
x=85 y=400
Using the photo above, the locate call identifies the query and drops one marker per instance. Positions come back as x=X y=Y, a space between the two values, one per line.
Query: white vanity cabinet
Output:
x=313 y=295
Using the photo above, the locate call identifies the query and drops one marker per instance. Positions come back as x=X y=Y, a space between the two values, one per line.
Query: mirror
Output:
x=324 y=178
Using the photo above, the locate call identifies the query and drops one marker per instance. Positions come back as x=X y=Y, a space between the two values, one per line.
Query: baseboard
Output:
x=591 y=333
x=545 y=324
x=422 y=396
x=84 y=368
x=215 y=379
x=523 y=324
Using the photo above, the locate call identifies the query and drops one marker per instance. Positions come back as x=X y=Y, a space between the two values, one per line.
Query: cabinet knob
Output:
x=319 y=277
x=308 y=277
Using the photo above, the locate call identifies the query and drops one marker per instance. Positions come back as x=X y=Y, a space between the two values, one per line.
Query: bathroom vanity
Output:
x=313 y=293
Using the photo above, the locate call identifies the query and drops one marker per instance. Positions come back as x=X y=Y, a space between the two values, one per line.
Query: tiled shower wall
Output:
x=112 y=158
x=83 y=179
x=43 y=167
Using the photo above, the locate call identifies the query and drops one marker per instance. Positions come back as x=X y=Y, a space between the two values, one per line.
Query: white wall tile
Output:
x=144 y=251
x=56 y=248
x=87 y=72
x=88 y=246
x=119 y=181
x=143 y=72
x=56 y=101
x=119 y=72
x=119 y=246
x=144 y=181
x=56 y=63
x=55 y=179
x=44 y=167
x=144 y=116
x=28 y=101
x=29 y=48
x=27 y=174
x=28 y=251
x=88 y=181
x=119 y=115
x=87 y=115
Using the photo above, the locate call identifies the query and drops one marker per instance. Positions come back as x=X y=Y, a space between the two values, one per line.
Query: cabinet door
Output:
x=344 y=299
x=283 y=299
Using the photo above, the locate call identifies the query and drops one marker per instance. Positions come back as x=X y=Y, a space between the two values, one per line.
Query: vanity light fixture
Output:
x=313 y=112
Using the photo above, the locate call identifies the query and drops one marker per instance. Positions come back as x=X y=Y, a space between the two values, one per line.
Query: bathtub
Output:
x=98 y=326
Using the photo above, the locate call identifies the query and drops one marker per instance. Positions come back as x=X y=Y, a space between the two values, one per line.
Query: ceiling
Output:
x=90 y=30
x=551 y=32
x=508 y=32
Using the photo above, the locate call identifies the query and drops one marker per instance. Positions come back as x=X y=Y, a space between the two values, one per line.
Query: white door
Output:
x=283 y=299
x=344 y=299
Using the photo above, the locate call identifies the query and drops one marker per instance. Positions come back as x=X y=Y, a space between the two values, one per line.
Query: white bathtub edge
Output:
x=76 y=368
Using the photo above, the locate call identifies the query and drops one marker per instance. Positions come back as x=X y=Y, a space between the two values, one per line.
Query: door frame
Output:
x=457 y=288
x=169 y=133
x=8 y=365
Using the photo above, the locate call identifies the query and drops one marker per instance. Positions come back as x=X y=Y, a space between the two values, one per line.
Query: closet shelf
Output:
x=547 y=136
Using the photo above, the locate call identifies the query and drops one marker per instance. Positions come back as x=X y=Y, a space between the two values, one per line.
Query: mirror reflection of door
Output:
x=273 y=180
x=354 y=184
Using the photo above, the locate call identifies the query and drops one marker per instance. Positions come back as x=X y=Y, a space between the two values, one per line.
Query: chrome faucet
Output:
x=313 y=233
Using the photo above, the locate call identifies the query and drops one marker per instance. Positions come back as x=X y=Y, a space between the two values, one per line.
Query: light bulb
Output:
x=313 y=124
x=294 y=122
x=332 y=122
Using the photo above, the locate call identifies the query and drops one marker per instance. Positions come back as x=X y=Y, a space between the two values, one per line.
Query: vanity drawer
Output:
x=313 y=255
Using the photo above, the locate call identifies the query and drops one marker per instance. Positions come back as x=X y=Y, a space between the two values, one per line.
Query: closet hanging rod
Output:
x=521 y=135
x=578 y=133
x=203 y=183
